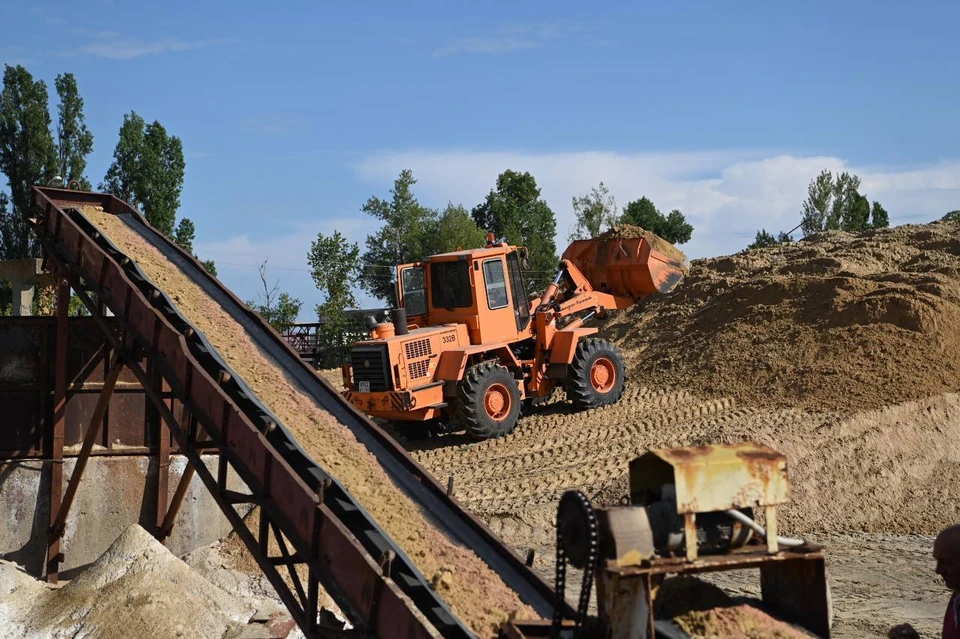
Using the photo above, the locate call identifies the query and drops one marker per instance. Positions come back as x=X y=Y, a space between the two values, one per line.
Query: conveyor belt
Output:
x=56 y=231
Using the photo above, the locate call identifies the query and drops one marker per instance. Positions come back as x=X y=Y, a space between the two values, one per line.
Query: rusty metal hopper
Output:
x=626 y=267
x=712 y=478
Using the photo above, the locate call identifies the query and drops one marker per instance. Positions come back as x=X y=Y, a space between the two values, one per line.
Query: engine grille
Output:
x=418 y=369
x=370 y=364
x=415 y=349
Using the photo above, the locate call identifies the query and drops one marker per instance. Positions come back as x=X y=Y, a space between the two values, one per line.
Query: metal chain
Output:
x=589 y=567
x=560 y=585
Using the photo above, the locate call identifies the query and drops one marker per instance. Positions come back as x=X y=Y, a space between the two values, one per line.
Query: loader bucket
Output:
x=626 y=267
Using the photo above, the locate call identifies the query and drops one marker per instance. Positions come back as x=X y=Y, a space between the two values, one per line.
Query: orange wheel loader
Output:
x=468 y=350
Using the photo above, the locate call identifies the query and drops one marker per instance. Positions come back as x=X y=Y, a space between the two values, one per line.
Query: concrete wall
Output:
x=115 y=491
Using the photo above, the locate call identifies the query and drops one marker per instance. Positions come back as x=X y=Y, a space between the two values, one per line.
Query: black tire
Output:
x=488 y=401
x=597 y=374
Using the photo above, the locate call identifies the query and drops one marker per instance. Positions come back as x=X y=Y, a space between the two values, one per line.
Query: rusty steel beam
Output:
x=163 y=461
x=93 y=430
x=166 y=526
x=54 y=556
x=189 y=425
x=319 y=537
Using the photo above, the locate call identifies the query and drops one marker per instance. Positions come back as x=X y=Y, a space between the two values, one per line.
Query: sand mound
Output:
x=137 y=588
x=629 y=232
x=833 y=322
x=735 y=622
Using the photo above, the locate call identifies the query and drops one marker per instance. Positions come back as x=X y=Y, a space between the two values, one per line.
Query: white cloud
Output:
x=727 y=195
x=118 y=47
x=508 y=39
x=238 y=258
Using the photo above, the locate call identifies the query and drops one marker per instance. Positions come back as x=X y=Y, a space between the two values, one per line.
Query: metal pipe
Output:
x=757 y=528
x=551 y=290
x=578 y=321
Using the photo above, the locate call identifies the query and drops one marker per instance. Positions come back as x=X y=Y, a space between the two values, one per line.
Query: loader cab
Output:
x=482 y=288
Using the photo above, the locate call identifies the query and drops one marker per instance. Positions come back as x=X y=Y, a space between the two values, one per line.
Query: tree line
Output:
x=147 y=169
x=833 y=202
x=513 y=211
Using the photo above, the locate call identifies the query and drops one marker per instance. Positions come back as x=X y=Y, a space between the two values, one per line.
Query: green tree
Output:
x=184 y=234
x=834 y=203
x=402 y=238
x=816 y=208
x=593 y=212
x=74 y=140
x=147 y=171
x=515 y=212
x=674 y=227
x=764 y=239
x=163 y=170
x=453 y=230
x=279 y=309
x=124 y=177
x=334 y=264
x=27 y=154
x=879 y=219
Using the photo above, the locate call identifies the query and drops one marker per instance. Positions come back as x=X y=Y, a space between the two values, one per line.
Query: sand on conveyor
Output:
x=137 y=588
x=475 y=593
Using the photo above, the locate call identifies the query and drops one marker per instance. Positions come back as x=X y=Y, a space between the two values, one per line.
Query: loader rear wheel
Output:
x=488 y=401
x=597 y=374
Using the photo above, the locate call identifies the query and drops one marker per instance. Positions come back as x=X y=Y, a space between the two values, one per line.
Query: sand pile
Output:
x=137 y=588
x=834 y=322
x=703 y=610
x=476 y=594
x=735 y=622
x=630 y=232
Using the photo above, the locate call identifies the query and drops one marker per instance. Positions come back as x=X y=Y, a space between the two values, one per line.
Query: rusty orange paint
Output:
x=711 y=478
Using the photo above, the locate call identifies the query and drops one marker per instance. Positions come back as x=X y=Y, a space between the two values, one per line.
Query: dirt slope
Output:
x=834 y=322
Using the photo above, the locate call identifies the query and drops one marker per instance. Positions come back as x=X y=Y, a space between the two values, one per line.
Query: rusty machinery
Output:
x=468 y=349
x=691 y=511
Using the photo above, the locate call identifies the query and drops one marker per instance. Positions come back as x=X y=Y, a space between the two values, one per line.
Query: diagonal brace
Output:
x=93 y=431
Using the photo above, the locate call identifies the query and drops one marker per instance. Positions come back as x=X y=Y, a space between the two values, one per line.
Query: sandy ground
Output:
x=877 y=579
x=838 y=351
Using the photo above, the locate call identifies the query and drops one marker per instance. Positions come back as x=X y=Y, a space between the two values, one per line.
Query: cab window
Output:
x=496 y=284
x=414 y=291
x=450 y=285
x=521 y=311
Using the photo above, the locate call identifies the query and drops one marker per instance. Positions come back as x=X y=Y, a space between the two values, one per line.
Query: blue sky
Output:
x=293 y=114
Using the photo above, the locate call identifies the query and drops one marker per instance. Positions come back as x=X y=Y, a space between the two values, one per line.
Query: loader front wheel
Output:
x=597 y=374
x=488 y=401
